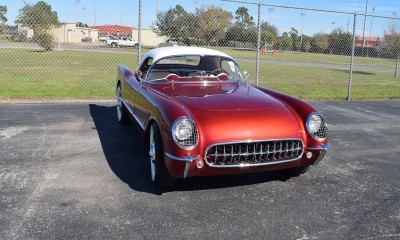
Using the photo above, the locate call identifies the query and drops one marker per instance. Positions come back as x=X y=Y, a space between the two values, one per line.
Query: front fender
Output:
x=300 y=109
x=165 y=111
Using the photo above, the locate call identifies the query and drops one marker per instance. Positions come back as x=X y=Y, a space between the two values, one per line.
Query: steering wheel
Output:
x=218 y=71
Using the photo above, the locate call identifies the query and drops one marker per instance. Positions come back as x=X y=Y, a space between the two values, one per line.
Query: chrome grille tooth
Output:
x=216 y=155
x=247 y=152
x=223 y=160
x=254 y=153
x=230 y=161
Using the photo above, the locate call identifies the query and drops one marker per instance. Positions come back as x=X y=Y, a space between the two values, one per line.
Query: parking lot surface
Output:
x=70 y=171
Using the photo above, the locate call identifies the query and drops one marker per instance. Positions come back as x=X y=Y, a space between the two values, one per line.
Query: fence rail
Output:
x=297 y=60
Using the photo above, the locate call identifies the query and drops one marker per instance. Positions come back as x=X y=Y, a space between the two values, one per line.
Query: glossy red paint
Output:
x=223 y=111
x=221 y=116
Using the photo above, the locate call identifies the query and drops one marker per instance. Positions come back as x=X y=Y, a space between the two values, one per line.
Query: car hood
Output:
x=232 y=96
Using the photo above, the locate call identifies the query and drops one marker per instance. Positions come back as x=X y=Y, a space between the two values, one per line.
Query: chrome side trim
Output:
x=131 y=112
x=322 y=147
x=256 y=164
x=187 y=159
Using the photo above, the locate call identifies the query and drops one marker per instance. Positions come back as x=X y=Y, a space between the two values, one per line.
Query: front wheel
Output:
x=122 y=115
x=159 y=172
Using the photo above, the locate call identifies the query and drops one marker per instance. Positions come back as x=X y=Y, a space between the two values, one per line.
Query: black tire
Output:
x=113 y=45
x=122 y=114
x=161 y=177
x=295 y=172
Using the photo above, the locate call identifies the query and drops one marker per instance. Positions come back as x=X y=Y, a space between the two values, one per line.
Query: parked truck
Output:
x=122 y=42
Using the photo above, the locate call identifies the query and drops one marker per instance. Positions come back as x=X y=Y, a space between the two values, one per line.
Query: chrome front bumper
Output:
x=322 y=151
x=187 y=159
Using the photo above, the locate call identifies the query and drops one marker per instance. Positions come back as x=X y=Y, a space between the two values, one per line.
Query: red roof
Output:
x=114 y=30
x=370 y=42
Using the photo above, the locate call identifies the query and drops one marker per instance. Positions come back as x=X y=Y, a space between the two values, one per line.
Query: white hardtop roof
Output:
x=162 y=52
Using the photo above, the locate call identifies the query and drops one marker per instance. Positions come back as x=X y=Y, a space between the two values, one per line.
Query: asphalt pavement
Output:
x=70 y=171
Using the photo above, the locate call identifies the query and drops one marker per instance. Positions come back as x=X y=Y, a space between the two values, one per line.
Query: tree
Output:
x=40 y=18
x=83 y=25
x=320 y=42
x=243 y=18
x=307 y=44
x=212 y=23
x=268 y=34
x=391 y=46
x=284 y=42
x=3 y=12
x=176 y=24
x=340 y=42
x=294 y=35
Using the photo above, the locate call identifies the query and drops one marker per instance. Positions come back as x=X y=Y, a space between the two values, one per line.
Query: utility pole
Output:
x=365 y=21
x=270 y=10
x=77 y=7
x=372 y=18
x=393 y=30
x=94 y=12
x=140 y=32
x=301 y=31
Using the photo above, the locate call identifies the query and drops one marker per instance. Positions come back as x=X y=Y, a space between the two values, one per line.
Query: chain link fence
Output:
x=347 y=61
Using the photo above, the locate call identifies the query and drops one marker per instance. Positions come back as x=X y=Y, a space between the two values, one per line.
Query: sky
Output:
x=125 y=12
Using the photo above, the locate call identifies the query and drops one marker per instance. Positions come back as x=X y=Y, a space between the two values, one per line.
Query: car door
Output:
x=142 y=105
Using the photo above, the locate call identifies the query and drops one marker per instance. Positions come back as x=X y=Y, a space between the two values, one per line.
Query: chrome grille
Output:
x=253 y=153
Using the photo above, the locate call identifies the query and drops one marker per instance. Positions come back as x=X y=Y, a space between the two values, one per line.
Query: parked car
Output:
x=199 y=117
x=122 y=42
x=104 y=38
x=86 y=39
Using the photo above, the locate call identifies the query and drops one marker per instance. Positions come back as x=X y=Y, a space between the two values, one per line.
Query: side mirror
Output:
x=246 y=75
x=138 y=74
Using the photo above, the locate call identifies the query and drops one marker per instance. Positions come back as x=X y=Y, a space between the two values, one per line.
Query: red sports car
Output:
x=200 y=117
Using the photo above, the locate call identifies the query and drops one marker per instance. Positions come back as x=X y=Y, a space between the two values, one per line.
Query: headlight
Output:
x=184 y=133
x=316 y=126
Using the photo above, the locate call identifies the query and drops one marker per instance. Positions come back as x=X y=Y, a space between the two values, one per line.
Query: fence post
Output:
x=352 y=57
x=139 y=53
x=397 y=66
x=258 y=45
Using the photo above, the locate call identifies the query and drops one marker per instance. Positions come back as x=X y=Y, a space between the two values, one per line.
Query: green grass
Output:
x=28 y=73
x=59 y=74
x=308 y=57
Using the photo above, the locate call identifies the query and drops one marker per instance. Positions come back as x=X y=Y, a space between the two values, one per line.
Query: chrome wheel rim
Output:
x=152 y=154
x=119 y=104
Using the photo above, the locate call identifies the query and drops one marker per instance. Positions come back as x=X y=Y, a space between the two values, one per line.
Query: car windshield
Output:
x=196 y=68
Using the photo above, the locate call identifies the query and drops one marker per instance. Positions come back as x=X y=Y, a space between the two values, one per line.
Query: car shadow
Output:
x=127 y=157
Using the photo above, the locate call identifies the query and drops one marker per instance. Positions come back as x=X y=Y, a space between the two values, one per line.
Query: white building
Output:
x=66 y=33
x=149 y=38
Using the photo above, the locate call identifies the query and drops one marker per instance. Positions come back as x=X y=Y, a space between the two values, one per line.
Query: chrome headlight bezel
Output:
x=191 y=141
x=319 y=129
